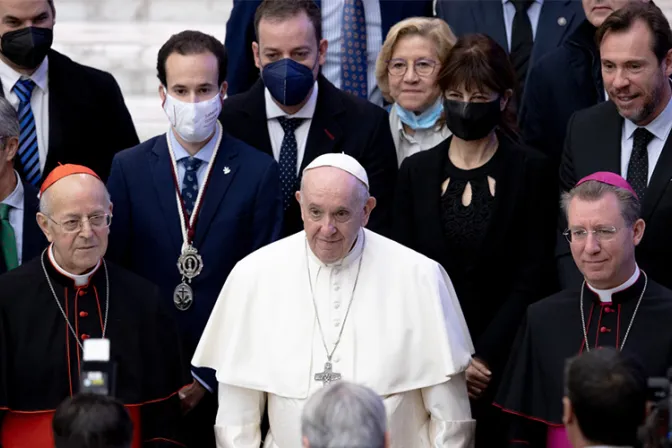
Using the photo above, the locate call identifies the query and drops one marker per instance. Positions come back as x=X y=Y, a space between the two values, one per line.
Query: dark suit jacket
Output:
x=88 y=119
x=341 y=123
x=593 y=143
x=562 y=82
x=242 y=73
x=516 y=253
x=34 y=240
x=487 y=17
x=241 y=212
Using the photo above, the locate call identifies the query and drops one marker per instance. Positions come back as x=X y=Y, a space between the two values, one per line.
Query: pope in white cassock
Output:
x=337 y=301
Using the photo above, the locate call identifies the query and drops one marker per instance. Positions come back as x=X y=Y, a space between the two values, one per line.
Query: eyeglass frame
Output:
x=434 y=65
x=612 y=231
x=81 y=221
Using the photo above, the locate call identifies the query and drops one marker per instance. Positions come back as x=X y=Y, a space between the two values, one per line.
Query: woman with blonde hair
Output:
x=407 y=69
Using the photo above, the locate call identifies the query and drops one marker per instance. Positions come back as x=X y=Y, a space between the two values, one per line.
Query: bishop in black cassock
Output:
x=532 y=388
x=616 y=306
x=40 y=355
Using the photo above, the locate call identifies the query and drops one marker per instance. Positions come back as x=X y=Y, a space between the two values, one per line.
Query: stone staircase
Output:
x=123 y=37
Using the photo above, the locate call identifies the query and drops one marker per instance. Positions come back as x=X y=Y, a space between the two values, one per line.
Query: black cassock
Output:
x=40 y=357
x=532 y=388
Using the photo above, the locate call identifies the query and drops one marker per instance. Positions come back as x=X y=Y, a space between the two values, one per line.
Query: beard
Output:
x=651 y=103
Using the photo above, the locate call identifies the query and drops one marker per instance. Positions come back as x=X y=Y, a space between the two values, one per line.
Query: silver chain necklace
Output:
x=60 y=307
x=328 y=376
x=632 y=320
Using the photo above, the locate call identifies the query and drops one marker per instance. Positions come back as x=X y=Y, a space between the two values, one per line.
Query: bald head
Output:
x=75 y=213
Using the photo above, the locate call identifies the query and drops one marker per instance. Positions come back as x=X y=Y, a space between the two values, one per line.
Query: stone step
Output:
x=197 y=11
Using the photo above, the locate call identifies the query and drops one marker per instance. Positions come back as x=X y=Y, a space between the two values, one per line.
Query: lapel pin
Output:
x=562 y=21
x=227 y=170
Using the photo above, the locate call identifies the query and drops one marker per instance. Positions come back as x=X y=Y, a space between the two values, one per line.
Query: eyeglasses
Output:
x=423 y=67
x=75 y=225
x=580 y=235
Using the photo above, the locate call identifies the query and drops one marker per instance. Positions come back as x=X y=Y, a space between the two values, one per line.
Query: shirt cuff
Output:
x=203 y=383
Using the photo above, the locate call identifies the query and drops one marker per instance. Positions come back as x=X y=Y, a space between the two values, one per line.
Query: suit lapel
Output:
x=256 y=122
x=223 y=173
x=489 y=15
x=606 y=141
x=164 y=186
x=660 y=179
x=33 y=241
x=554 y=21
x=59 y=97
x=325 y=130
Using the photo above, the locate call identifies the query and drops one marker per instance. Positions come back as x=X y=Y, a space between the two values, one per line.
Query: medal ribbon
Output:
x=189 y=228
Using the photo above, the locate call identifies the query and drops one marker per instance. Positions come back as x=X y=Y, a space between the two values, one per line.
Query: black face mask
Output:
x=471 y=121
x=27 y=47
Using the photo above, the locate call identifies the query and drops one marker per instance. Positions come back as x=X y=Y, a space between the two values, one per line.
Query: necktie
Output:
x=28 y=156
x=353 y=49
x=7 y=239
x=190 y=183
x=522 y=40
x=288 y=159
x=638 y=166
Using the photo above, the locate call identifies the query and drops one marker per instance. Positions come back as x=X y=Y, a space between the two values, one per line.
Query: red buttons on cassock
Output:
x=82 y=292
x=604 y=330
x=83 y=314
x=608 y=310
x=85 y=337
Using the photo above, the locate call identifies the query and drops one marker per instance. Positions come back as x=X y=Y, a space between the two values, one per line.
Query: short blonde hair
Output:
x=433 y=29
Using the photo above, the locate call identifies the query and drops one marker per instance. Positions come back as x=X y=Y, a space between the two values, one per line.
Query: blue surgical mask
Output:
x=425 y=120
x=288 y=81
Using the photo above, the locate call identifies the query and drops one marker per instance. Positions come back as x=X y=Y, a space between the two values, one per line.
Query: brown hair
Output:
x=285 y=9
x=477 y=62
x=623 y=19
x=436 y=30
x=593 y=190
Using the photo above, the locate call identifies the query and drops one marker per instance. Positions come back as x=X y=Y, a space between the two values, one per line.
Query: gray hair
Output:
x=361 y=194
x=9 y=121
x=593 y=190
x=344 y=415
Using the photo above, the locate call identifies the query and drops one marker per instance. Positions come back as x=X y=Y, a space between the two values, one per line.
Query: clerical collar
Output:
x=346 y=261
x=605 y=295
x=80 y=280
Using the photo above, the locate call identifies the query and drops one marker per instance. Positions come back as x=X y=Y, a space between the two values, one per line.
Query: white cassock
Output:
x=405 y=337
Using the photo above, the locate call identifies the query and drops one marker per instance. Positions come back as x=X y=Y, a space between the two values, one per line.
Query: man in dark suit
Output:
x=189 y=204
x=564 y=81
x=629 y=135
x=296 y=115
x=379 y=15
x=526 y=29
x=20 y=237
x=69 y=113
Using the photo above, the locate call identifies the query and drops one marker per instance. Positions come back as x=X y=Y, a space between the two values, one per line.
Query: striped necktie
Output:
x=353 y=49
x=7 y=239
x=28 y=156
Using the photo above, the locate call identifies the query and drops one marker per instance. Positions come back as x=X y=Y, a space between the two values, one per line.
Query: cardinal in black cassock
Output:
x=634 y=316
x=46 y=312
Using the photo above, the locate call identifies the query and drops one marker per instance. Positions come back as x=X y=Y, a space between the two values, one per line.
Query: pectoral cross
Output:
x=328 y=375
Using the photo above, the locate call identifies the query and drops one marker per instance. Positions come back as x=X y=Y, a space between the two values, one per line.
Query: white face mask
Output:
x=195 y=122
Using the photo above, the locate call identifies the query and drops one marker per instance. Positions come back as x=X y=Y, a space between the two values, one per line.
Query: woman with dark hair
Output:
x=483 y=206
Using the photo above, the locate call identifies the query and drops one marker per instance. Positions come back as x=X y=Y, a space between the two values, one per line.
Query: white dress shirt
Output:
x=204 y=155
x=332 y=30
x=39 y=101
x=533 y=12
x=660 y=127
x=423 y=139
x=275 y=131
x=15 y=202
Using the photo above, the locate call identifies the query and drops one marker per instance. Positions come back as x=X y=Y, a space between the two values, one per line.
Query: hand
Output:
x=478 y=378
x=190 y=396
